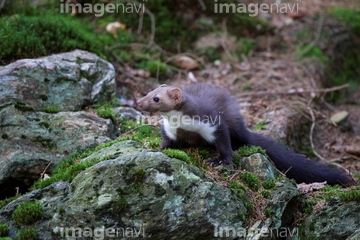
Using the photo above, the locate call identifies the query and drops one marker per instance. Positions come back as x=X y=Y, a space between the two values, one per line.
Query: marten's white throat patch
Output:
x=174 y=120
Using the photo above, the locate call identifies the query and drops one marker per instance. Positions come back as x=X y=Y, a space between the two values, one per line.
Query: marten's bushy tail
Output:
x=297 y=166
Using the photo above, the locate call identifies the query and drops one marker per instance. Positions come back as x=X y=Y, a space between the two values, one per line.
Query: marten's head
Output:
x=162 y=99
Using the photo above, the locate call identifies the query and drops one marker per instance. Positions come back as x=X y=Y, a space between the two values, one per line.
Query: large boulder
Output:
x=137 y=191
x=40 y=113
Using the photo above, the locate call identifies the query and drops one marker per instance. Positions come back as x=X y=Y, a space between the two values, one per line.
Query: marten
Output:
x=205 y=114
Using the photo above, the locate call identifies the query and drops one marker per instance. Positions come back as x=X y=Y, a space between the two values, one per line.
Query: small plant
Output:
x=265 y=193
x=105 y=110
x=267 y=212
x=352 y=195
x=260 y=126
x=269 y=184
x=50 y=109
x=4 y=230
x=27 y=213
x=237 y=188
x=28 y=234
x=250 y=180
x=155 y=67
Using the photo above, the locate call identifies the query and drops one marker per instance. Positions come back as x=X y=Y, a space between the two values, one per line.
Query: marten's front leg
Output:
x=166 y=141
x=223 y=146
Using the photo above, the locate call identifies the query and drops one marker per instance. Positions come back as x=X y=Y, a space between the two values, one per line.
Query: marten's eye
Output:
x=156 y=99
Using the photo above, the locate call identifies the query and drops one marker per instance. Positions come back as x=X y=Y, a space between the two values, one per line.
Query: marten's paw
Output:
x=216 y=162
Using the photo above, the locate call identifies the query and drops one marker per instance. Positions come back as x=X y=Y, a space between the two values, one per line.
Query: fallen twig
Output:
x=294 y=91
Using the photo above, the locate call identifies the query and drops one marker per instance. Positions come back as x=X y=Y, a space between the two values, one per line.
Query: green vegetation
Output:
x=146 y=135
x=352 y=195
x=4 y=230
x=176 y=153
x=50 y=109
x=46 y=33
x=342 y=67
x=265 y=193
x=27 y=213
x=309 y=51
x=154 y=67
x=329 y=192
x=247 y=44
x=250 y=180
x=267 y=212
x=5 y=238
x=269 y=184
x=240 y=191
x=105 y=110
x=28 y=234
x=260 y=126
x=349 y=16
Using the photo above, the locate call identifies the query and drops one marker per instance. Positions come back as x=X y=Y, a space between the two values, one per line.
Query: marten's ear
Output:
x=175 y=94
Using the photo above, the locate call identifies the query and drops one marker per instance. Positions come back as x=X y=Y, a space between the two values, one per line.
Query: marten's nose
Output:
x=139 y=103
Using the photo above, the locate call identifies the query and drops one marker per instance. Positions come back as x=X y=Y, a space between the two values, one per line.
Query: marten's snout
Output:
x=139 y=103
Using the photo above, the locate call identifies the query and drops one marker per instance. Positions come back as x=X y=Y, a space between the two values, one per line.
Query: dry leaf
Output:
x=186 y=63
x=305 y=188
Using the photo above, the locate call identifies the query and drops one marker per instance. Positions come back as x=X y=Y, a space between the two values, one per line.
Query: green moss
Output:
x=4 y=230
x=105 y=110
x=265 y=193
x=250 y=180
x=260 y=126
x=267 y=212
x=27 y=213
x=147 y=135
x=46 y=33
x=351 y=195
x=269 y=184
x=69 y=167
x=179 y=154
x=28 y=234
x=350 y=16
x=50 y=109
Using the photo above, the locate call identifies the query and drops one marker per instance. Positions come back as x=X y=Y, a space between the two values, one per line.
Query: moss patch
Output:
x=27 y=213
x=4 y=230
x=28 y=234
